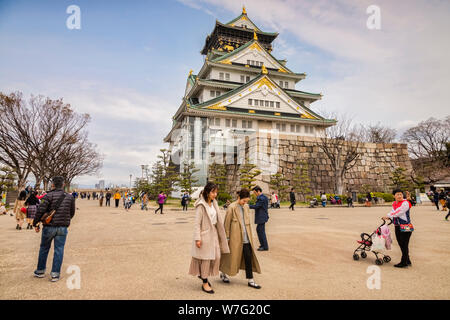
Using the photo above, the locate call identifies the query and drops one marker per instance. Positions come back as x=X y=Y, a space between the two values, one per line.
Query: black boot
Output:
x=17 y=227
x=408 y=262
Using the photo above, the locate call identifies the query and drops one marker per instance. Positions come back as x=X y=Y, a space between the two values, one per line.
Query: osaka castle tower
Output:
x=241 y=90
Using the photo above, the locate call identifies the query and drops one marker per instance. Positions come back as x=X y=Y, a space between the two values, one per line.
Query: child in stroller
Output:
x=365 y=244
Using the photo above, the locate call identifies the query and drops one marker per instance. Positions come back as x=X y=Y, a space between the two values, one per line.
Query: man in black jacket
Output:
x=292 y=199
x=57 y=229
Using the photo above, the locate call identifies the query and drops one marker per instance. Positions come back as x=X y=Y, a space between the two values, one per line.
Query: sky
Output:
x=127 y=65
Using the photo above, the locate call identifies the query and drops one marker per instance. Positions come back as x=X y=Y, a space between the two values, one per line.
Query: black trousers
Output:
x=403 y=242
x=292 y=205
x=185 y=207
x=448 y=214
x=117 y=202
x=261 y=231
x=108 y=202
x=247 y=252
x=160 y=208
x=437 y=204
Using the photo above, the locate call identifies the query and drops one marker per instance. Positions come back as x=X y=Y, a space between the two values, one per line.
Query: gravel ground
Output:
x=140 y=255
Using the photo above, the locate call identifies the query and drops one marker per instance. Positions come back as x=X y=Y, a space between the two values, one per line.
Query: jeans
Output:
x=261 y=231
x=292 y=206
x=59 y=235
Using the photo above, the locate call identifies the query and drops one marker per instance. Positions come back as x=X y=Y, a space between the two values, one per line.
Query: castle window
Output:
x=267 y=103
x=249 y=124
x=297 y=128
x=292 y=128
x=234 y=123
x=278 y=104
x=227 y=123
x=271 y=104
x=278 y=126
x=217 y=93
x=283 y=127
x=213 y=93
x=221 y=75
x=250 y=102
x=247 y=79
x=244 y=124
x=286 y=85
x=248 y=62
x=242 y=79
x=281 y=84
x=227 y=76
x=311 y=130
x=256 y=102
x=217 y=120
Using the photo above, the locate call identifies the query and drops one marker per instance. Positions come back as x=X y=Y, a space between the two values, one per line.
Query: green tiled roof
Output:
x=258 y=31
x=243 y=87
x=235 y=51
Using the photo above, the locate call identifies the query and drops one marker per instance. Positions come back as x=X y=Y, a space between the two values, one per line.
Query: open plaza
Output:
x=142 y=255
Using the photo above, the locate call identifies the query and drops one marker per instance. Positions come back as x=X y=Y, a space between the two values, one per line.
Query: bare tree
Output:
x=16 y=136
x=45 y=137
x=341 y=144
x=428 y=146
x=379 y=134
x=76 y=159
x=58 y=127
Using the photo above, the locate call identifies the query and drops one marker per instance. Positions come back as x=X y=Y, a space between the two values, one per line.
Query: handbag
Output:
x=408 y=227
x=48 y=216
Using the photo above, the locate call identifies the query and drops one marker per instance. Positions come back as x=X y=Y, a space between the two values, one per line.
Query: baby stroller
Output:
x=366 y=243
x=313 y=203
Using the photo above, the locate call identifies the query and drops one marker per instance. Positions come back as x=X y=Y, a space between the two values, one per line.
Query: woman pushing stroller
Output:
x=400 y=214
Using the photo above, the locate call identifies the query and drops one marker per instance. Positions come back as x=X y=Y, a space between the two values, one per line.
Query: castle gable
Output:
x=260 y=94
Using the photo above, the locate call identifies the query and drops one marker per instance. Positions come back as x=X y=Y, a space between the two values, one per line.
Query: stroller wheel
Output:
x=355 y=257
x=363 y=255
x=387 y=259
x=379 y=262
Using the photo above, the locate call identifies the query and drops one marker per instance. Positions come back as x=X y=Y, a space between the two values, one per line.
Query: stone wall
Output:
x=373 y=167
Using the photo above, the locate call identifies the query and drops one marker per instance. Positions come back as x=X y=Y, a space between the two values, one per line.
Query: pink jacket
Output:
x=386 y=233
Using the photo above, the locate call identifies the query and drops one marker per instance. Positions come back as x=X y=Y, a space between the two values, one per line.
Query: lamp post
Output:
x=130 y=181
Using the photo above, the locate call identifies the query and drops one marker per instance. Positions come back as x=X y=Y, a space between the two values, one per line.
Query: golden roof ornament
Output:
x=190 y=72
x=263 y=69
x=243 y=10
x=255 y=37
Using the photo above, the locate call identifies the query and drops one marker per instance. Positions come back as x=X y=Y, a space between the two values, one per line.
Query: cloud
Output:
x=397 y=75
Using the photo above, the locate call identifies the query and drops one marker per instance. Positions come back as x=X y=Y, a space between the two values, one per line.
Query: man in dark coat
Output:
x=56 y=230
x=292 y=199
x=261 y=216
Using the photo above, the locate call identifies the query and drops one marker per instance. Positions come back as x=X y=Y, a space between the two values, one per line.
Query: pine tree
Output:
x=277 y=182
x=247 y=174
x=217 y=173
x=301 y=181
x=400 y=180
x=187 y=180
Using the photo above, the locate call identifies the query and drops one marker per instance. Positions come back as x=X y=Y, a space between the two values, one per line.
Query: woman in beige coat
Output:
x=209 y=237
x=240 y=240
x=18 y=205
